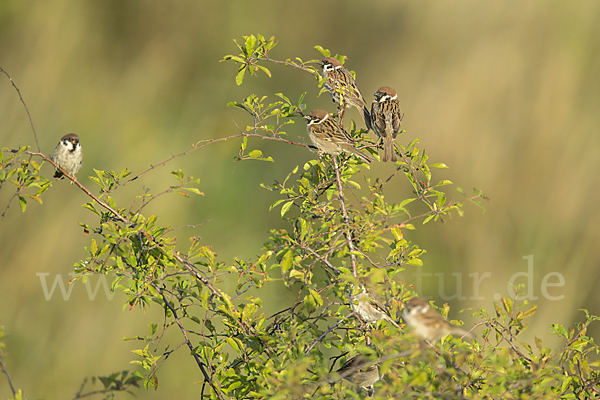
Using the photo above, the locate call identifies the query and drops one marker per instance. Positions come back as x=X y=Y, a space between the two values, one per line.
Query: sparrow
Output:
x=338 y=80
x=385 y=120
x=355 y=372
x=329 y=136
x=428 y=323
x=68 y=155
x=366 y=304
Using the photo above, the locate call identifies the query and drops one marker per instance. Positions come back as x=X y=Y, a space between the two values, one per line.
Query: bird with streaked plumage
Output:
x=330 y=137
x=339 y=81
x=357 y=372
x=428 y=323
x=367 y=305
x=385 y=120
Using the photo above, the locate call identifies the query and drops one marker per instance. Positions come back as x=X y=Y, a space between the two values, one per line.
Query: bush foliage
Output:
x=340 y=226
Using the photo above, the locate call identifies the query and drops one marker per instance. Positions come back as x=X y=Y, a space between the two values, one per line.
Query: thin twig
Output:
x=200 y=363
x=207 y=142
x=24 y=105
x=12 y=388
x=322 y=336
x=346 y=219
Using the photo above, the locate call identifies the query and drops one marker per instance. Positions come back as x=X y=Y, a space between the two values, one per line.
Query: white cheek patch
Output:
x=388 y=97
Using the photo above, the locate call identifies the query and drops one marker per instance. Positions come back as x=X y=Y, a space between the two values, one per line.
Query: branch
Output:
x=76 y=182
x=207 y=142
x=12 y=388
x=201 y=365
x=346 y=219
x=24 y=105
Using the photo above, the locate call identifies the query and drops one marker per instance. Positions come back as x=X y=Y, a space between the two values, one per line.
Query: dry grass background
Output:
x=506 y=93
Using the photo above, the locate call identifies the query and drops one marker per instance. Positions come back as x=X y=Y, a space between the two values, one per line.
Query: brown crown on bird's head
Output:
x=316 y=116
x=70 y=137
x=385 y=91
x=330 y=63
x=416 y=304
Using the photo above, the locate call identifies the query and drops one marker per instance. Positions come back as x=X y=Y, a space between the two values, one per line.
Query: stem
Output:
x=26 y=109
x=86 y=190
x=12 y=388
x=346 y=219
x=201 y=364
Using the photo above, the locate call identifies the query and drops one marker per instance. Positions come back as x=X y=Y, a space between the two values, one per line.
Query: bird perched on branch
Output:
x=385 y=120
x=356 y=371
x=339 y=82
x=428 y=323
x=68 y=155
x=330 y=137
x=366 y=304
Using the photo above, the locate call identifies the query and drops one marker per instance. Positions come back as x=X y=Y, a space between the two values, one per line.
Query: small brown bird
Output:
x=355 y=372
x=338 y=80
x=366 y=304
x=68 y=155
x=428 y=323
x=385 y=120
x=329 y=136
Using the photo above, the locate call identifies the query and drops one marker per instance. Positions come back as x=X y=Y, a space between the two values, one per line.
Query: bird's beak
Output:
x=306 y=117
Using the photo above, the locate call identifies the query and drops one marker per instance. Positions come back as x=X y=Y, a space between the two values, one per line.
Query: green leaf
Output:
x=23 y=203
x=508 y=305
x=90 y=207
x=529 y=312
x=323 y=51
x=233 y=342
x=579 y=344
x=286 y=207
x=255 y=154
x=94 y=247
x=317 y=297
x=178 y=174
x=286 y=262
x=439 y=165
x=416 y=262
x=297 y=274
x=397 y=232
x=36 y=198
x=353 y=184
x=444 y=182
x=309 y=303
x=281 y=95
x=240 y=76
x=278 y=202
x=265 y=70
x=250 y=44
x=249 y=310
x=195 y=191
x=406 y=201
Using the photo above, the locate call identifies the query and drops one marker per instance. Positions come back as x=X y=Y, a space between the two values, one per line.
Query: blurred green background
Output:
x=507 y=94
